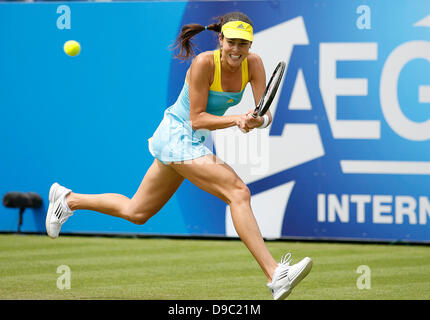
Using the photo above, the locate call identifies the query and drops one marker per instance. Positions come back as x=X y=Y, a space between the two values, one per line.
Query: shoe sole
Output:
x=283 y=294
x=49 y=214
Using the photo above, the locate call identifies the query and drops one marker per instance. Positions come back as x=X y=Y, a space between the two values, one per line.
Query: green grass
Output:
x=144 y=268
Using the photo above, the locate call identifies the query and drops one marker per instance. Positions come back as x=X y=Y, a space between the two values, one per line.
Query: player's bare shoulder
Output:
x=202 y=64
x=204 y=60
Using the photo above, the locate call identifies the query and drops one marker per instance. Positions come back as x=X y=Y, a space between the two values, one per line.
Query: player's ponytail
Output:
x=183 y=41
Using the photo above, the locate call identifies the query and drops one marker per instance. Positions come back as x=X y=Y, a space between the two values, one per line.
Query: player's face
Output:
x=234 y=51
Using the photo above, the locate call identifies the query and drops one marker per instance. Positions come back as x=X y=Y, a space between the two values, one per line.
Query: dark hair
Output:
x=184 y=43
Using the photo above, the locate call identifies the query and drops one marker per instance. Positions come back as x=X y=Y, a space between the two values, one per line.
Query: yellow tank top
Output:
x=216 y=84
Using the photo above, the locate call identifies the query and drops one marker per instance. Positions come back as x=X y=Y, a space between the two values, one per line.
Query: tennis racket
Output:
x=270 y=92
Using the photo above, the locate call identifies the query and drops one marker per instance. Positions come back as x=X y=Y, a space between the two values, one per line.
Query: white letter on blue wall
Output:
x=363 y=21
x=64 y=21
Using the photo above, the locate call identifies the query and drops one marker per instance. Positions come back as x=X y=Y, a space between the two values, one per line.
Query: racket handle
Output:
x=257 y=108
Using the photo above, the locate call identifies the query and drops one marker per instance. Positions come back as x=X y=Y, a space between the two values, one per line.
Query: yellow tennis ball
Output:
x=72 y=48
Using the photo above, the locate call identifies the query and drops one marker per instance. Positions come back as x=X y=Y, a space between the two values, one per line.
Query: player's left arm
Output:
x=257 y=78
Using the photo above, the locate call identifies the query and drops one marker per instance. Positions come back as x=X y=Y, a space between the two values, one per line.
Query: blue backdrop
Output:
x=346 y=157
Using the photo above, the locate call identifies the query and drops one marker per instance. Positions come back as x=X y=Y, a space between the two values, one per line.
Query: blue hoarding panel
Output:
x=346 y=157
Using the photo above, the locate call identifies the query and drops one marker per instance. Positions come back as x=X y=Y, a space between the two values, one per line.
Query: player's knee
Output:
x=240 y=193
x=138 y=217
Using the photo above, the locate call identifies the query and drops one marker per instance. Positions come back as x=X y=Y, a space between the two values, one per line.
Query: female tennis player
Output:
x=214 y=82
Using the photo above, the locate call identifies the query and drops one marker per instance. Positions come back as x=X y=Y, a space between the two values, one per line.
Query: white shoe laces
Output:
x=286 y=259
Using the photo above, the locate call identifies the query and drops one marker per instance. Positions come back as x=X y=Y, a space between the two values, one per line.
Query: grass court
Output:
x=177 y=269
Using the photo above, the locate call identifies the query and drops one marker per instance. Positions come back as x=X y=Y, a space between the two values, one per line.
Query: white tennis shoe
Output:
x=58 y=210
x=286 y=277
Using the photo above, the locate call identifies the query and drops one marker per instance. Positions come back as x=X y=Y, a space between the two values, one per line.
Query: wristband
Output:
x=265 y=123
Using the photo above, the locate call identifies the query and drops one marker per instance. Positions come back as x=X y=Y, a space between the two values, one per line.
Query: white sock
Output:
x=65 y=203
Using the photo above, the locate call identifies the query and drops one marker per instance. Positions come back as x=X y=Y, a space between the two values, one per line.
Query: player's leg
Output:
x=219 y=179
x=157 y=187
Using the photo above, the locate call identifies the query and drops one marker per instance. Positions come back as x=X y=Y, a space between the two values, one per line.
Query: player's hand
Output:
x=241 y=123
x=252 y=122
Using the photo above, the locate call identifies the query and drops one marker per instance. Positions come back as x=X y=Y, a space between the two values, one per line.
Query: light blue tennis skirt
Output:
x=175 y=140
